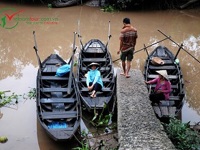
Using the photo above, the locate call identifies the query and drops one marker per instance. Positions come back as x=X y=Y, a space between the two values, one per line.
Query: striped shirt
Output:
x=128 y=38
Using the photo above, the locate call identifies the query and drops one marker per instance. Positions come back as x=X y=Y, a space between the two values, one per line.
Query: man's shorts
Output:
x=127 y=55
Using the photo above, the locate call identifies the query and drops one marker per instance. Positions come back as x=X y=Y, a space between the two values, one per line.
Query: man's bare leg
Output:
x=124 y=68
x=128 y=69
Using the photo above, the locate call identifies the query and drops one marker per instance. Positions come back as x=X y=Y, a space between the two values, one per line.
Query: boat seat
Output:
x=166 y=62
x=53 y=78
x=94 y=50
x=50 y=69
x=152 y=76
x=165 y=111
x=54 y=89
x=101 y=68
x=103 y=90
x=167 y=103
x=103 y=79
x=175 y=86
x=58 y=115
x=57 y=100
x=162 y=67
x=94 y=59
x=53 y=63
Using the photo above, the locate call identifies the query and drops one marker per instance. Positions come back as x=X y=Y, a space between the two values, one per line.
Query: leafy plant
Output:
x=101 y=120
x=109 y=8
x=182 y=136
x=32 y=93
x=4 y=99
x=85 y=146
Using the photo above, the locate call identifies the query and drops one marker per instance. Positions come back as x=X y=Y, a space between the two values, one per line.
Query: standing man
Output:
x=128 y=36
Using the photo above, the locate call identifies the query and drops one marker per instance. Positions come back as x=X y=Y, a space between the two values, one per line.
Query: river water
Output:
x=54 y=34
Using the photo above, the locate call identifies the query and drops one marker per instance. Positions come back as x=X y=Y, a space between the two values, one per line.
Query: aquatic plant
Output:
x=84 y=146
x=4 y=99
x=102 y=119
x=3 y=139
x=181 y=135
x=32 y=93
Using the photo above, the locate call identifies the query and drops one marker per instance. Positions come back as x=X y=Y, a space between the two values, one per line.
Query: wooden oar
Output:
x=36 y=51
x=180 y=46
x=147 y=47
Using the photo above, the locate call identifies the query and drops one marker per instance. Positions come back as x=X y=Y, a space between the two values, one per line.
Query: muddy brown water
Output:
x=54 y=34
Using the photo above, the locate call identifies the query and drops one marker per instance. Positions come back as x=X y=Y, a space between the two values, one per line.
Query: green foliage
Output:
x=84 y=146
x=182 y=136
x=32 y=93
x=3 y=139
x=4 y=99
x=101 y=120
x=109 y=8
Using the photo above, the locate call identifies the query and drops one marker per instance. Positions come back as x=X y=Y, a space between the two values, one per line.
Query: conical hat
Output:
x=163 y=73
x=93 y=64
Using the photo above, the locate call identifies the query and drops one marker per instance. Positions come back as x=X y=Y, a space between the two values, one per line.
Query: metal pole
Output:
x=181 y=47
x=71 y=68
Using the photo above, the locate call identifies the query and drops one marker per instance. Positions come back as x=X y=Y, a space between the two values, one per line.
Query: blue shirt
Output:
x=94 y=76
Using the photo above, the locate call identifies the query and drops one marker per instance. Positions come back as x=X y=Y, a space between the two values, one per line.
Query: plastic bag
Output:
x=61 y=71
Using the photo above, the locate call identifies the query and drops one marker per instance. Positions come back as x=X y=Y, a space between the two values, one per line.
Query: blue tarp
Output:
x=61 y=71
x=57 y=125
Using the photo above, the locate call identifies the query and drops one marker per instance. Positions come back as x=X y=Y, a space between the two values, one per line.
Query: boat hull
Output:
x=58 y=112
x=173 y=106
x=96 y=51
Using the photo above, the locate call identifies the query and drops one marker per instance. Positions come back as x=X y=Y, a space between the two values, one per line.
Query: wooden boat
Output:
x=96 y=51
x=171 y=107
x=58 y=104
x=64 y=3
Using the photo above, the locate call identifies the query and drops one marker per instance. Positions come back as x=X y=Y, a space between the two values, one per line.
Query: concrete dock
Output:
x=138 y=127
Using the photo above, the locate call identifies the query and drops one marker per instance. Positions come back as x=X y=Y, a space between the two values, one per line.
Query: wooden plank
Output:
x=164 y=110
x=172 y=111
x=157 y=111
x=103 y=89
x=175 y=86
x=101 y=69
x=59 y=115
x=152 y=76
x=94 y=59
x=56 y=89
x=57 y=100
x=162 y=67
x=103 y=79
x=50 y=69
x=53 y=78
x=166 y=103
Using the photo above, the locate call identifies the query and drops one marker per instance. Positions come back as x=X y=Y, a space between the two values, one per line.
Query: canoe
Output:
x=58 y=111
x=173 y=106
x=64 y=3
x=96 y=51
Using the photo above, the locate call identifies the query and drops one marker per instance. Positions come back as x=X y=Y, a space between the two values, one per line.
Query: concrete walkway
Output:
x=138 y=127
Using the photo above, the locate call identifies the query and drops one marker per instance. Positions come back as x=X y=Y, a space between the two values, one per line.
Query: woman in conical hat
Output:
x=94 y=81
x=163 y=87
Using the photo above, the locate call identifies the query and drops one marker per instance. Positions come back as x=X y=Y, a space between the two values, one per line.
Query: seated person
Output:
x=162 y=89
x=94 y=81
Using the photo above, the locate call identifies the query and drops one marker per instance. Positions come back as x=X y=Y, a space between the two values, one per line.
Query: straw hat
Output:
x=157 y=61
x=163 y=73
x=93 y=64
